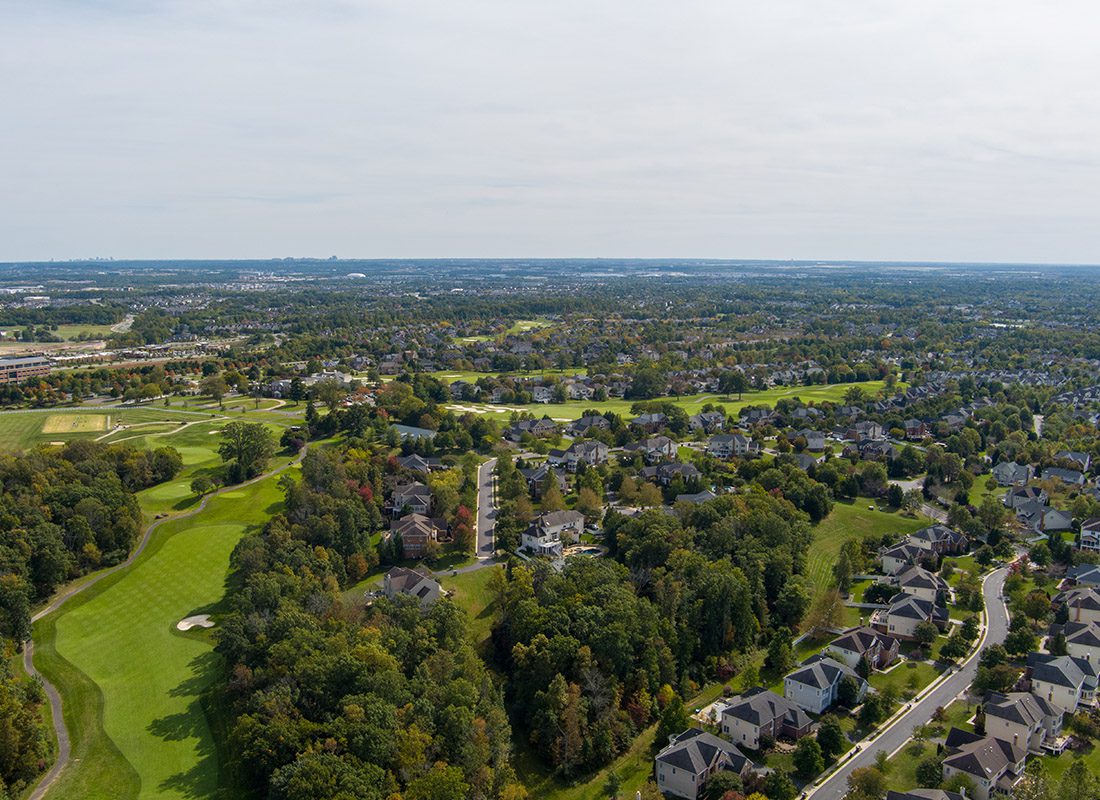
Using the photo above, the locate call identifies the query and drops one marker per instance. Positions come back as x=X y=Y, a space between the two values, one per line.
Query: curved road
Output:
x=900 y=731
x=64 y=745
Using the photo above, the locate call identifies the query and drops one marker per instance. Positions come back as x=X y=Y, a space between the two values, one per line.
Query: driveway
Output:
x=894 y=737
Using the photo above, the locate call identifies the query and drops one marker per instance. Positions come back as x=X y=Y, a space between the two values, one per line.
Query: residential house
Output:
x=1084 y=574
x=1043 y=519
x=707 y=421
x=915 y=430
x=654 y=448
x=904 y=613
x=689 y=760
x=759 y=713
x=901 y=556
x=1023 y=719
x=1083 y=640
x=805 y=461
x=992 y=765
x=416 y=532
x=757 y=416
x=879 y=650
x=1026 y=494
x=413 y=583
x=1082 y=602
x=1081 y=461
x=665 y=474
x=591 y=452
x=941 y=540
x=698 y=497
x=1065 y=681
x=1070 y=476
x=1009 y=473
x=867 y=429
x=731 y=445
x=542 y=394
x=530 y=427
x=919 y=582
x=585 y=425
x=411 y=432
x=536 y=479
x=1089 y=538
x=412 y=498
x=815 y=440
x=814 y=686
x=543 y=535
x=650 y=423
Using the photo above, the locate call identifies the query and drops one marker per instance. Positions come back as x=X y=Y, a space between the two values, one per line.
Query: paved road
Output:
x=921 y=713
x=486 y=509
x=64 y=745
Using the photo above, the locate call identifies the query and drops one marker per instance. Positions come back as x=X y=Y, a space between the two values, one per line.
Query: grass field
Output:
x=850 y=520
x=67 y=332
x=471 y=594
x=133 y=683
x=690 y=403
x=75 y=423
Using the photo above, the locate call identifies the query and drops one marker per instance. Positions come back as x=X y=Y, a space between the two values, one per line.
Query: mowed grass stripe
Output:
x=121 y=637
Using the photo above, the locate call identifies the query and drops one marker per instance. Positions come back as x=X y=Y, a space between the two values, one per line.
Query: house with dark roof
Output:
x=904 y=613
x=1026 y=494
x=1082 y=602
x=416 y=532
x=543 y=535
x=1080 y=461
x=707 y=421
x=880 y=650
x=688 y=761
x=417 y=463
x=412 y=583
x=1070 y=476
x=592 y=453
x=915 y=430
x=732 y=445
x=1065 y=681
x=653 y=448
x=901 y=556
x=1084 y=574
x=665 y=474
x=1024 y=719
x=650 y=423
x=698 y=497
x=941 y=540
x=536 y=479
x=919 y=582
x=758 y=714
x=412 y=498
x=1082 y=640
x=814 y=686
x=585 y=425
x=1089 y=538
x=530 y=427
x=1009 y=473
x=1042 y=518
x=991 y=764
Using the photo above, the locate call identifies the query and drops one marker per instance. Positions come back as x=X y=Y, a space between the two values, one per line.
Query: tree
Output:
x=926 y=633
x=847 y=693
x=960 y=784
x=674 y=720
x=612 y=785
x=246 y=447
x=866 y=783
x=779 y=786
x=1036 y=605
x=1077 y=782
x=442 y=782
x=842 y=573
x=930 y=772
x=201 y=485
x=779 y=656
x=213 y=387
x=954 y=648
x=808 y=759
x=551 y=499
x=871 y=711
x=649 y=495
x=830 y=736
x=589 y=505
x=722 y=782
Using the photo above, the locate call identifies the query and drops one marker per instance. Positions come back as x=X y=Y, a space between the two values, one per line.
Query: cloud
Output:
x=813 y=129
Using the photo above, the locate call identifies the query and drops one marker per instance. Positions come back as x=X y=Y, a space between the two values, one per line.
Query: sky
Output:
x=923 y=131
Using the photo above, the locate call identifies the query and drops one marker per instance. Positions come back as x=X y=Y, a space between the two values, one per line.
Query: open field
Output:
x=75 y=423
x=67 y=332
x=851 y=520
x=692 y=404
x=471 y=594
x=132 y=682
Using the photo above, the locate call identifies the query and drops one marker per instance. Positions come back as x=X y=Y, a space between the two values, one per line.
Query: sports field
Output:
x=75 y=423
x=137 y=723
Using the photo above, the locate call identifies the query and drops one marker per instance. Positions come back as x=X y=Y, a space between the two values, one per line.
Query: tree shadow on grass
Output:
x=200 y=780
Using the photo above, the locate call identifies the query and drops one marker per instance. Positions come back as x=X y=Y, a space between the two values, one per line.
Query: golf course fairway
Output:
x=132 y=682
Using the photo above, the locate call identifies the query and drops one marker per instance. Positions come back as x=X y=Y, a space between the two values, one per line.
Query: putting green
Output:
x=123 y=638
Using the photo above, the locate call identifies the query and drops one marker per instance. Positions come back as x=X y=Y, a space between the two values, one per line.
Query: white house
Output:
x=685 y=765
x=543 y=535
x=991 y=764
x=404 y=581
x=1083 y=640
x=856 y=643
x=921 y=583
x=1065 y=681
x=759 y=713
x=814 y=686
x=1023 y=719
x=1082 y=602
x=905 y=612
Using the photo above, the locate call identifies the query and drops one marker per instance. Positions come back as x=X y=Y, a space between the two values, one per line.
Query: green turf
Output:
x=117 y=649
x=692 y=404
x=471 y=593
x=851 y=520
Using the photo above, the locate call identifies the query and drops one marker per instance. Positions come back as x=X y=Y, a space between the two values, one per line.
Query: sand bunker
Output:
x=197 y=621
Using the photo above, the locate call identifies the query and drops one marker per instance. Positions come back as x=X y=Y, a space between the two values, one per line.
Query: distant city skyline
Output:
x=933 y=132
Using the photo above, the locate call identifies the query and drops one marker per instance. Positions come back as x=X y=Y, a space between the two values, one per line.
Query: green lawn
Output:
x=66 y=332
x=851 y=520
x=692 y=404
x=20 y=430
x=471 y=594
x=906 y=679
x=132 y=682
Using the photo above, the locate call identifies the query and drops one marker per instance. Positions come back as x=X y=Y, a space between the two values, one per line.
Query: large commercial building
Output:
x=17 y=370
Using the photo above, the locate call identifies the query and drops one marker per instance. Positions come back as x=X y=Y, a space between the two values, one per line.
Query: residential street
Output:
x=921 y=713
x=486 y=509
